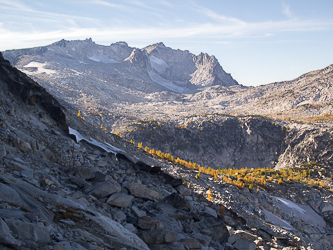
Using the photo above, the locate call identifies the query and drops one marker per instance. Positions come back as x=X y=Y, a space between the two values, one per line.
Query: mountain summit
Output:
x=153 y=68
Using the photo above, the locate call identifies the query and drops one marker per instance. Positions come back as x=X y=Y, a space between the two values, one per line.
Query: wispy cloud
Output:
x=286 y=9
x=106 y=3
x=209 y=31
x=122 y=27
x=217 y=17
x=5 y=4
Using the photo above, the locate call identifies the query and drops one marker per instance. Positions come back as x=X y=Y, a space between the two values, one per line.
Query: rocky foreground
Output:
x=89 y=189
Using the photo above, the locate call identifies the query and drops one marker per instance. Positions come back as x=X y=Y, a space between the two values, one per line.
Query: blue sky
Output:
x=258 y=41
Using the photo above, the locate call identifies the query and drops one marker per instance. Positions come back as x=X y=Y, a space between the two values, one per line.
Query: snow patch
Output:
x=166 y=83
x=289 y=204
x=277 y=220
x=101 y=58
x=158 y=64
x=302 y=212
x=76 y=72
x=106 y=146
x=40 y=68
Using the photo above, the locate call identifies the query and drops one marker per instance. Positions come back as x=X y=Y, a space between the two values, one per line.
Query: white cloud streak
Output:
x=209 y=31
x=217 y=27
x=105 y=3
x=286 y=9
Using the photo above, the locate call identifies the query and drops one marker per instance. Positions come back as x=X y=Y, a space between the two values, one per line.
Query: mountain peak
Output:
x=121 y=43
x=63 y=42
x=154 y=46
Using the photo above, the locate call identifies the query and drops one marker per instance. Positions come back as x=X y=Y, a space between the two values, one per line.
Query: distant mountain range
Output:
x=155 y=67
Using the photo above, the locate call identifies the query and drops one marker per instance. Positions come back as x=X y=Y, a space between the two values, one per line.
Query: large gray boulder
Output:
x=120 y=200
x=141 y=191
x=22 y=199
x=5 y=236
x=243 y=244
x=148 y=223
x=217 y=227
x=29 y=231
x=106 y=188
x=118 y=232
x=159 y=236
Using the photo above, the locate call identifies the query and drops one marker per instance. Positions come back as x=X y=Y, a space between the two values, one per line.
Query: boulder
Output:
x=65 y=245
x=184 y=191
x=326 y=207
x=191 y=243
x=141 y=191
x=27 y=138
x=159 y=236
x=85 y=173
x=21 y=199
x=170 y=223
x=5 y=236
x=171 y=246
x=175 y=200
x=120 y=200
x=242 y=244
x=119 y=216
x=203 y=239
x=217 y=227
x=169 y=179
x=118 y=232
x=210 y=211
x=106 y=188
x=16 y=164
x=240 y=234
x=98 y=177
x=78 y=181
x=148 y=223
x=29 y=231
x=130 y=227
x=137 y=212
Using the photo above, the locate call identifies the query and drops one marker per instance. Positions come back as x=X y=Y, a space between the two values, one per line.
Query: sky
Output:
x=257 y=41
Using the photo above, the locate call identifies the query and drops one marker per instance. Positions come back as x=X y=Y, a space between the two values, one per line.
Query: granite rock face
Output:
x=58 y=193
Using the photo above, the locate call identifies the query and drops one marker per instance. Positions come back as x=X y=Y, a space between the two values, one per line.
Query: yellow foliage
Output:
x=210 y=195
x=152 y=151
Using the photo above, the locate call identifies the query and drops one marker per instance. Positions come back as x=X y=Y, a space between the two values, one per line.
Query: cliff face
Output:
x=217 y=141
x=30 y=92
